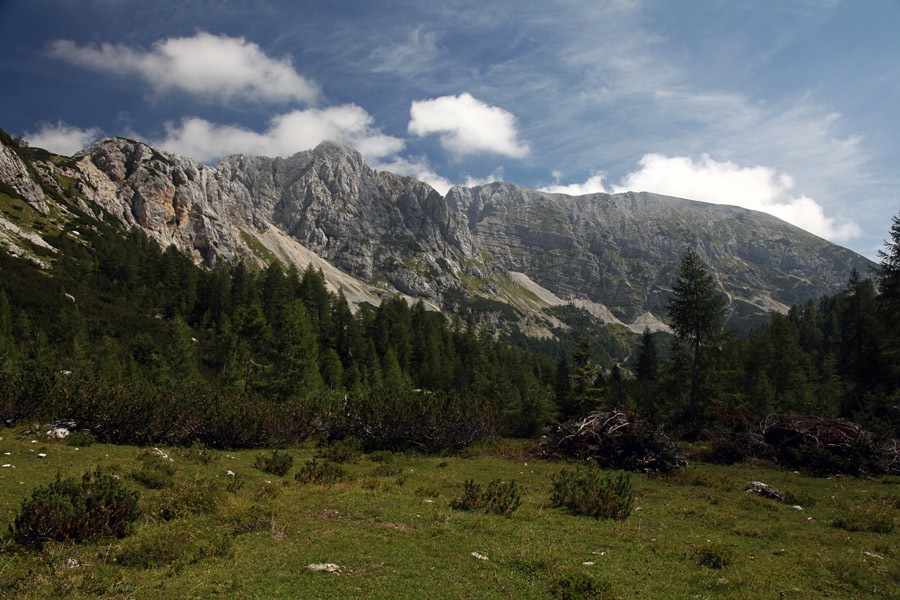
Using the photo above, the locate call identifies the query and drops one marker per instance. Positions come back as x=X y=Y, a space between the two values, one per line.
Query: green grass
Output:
x=390 y=527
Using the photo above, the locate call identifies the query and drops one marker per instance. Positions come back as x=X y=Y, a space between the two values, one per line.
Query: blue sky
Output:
x=791 y=107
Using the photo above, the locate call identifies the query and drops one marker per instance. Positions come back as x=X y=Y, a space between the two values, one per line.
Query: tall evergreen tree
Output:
x=697 y=314
x=647 y=368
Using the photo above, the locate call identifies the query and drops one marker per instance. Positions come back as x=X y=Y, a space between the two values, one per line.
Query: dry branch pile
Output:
x=614 y=440
x=817 y=443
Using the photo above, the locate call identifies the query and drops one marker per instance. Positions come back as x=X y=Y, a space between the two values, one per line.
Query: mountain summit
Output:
x=504 y=253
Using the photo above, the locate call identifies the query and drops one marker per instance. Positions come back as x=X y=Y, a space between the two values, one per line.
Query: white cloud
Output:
x=757 y=188
x=208 y=66
x=418 y=168
x=287 y=134
x=421 y=170
x=467 y=126
x=593 y=185
x=62 y=138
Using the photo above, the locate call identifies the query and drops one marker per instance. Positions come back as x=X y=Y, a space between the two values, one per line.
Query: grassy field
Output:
x=391 y=531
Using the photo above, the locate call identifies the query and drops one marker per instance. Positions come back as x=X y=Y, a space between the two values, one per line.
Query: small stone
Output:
x=324 y=567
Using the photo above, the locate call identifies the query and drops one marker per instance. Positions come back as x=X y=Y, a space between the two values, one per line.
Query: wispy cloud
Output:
x=287 y=134
x=62 y=138
x=466 y=125
x=211 y=67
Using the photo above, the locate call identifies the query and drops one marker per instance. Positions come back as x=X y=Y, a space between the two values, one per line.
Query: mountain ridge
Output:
x=500 y=251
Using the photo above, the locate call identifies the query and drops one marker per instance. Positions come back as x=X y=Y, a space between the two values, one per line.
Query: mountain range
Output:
x=508 y=255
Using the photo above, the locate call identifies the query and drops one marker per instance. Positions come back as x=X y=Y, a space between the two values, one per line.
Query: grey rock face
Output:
x=499 y=241
x=622 y=250
x=14 y=173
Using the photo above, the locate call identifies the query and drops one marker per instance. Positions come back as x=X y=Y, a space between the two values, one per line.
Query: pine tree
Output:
x=697 y=314
x=647 y=368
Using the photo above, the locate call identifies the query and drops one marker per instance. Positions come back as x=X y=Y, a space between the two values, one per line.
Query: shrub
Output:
x=69 y=510
x=589 y=492
x=198 y=453
x=80 y=439
x=579 y=586
x=342 y=451
x=199 y=496
x=498 y=498
x=713 y=556
x=278 y=463
x=322 y=473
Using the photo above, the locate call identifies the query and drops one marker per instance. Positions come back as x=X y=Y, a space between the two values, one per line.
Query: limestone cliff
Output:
x=499 y=250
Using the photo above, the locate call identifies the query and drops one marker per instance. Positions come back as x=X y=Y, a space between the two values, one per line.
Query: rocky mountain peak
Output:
x=498 y=250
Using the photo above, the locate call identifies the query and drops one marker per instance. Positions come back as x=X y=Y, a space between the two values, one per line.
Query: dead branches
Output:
x=614 y=440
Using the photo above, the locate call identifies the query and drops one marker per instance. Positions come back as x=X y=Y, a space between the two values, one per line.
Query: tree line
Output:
x=121 y=319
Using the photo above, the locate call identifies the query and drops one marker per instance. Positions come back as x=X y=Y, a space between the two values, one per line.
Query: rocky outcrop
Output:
x=499 y=249
x=622 y=250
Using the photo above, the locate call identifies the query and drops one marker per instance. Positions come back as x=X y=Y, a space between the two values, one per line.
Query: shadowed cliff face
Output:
x=493 y=244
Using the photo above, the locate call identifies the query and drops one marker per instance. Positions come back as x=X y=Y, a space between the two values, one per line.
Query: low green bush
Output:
x=71 y=510
x=322 y=473
x=276 y=463
x=589 y=492
x=346 y=450
x=579 y=586
x=713 y=556
x=498 y=498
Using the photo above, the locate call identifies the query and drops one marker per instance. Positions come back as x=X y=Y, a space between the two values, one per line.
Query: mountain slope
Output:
x=507 y=254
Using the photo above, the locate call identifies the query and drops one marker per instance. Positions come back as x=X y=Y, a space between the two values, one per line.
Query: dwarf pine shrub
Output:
x=322 y=473
x=277 y=463
x=71 y=510
x=589 y=492
x=498 y=498
x=346 y=450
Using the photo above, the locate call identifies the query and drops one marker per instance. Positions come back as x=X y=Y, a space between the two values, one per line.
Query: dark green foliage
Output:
x=401 y=419
x=276 y=463
x=713 y=556
x=80 y=440
x=346 y=450
x=321 y=473
x=580 y=586
x=697 y=314
x=71 y=510
x=588 y=491
x=497 y=498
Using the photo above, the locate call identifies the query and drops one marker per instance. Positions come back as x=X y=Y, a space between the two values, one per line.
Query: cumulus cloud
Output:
x=287 y=134
x=467 y=125
x=757 y=188
x=593 y=185
x=205 y=65
x=62 y=138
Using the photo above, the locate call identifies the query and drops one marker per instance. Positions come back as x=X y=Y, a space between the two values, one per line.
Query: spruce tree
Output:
x=697 y=314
